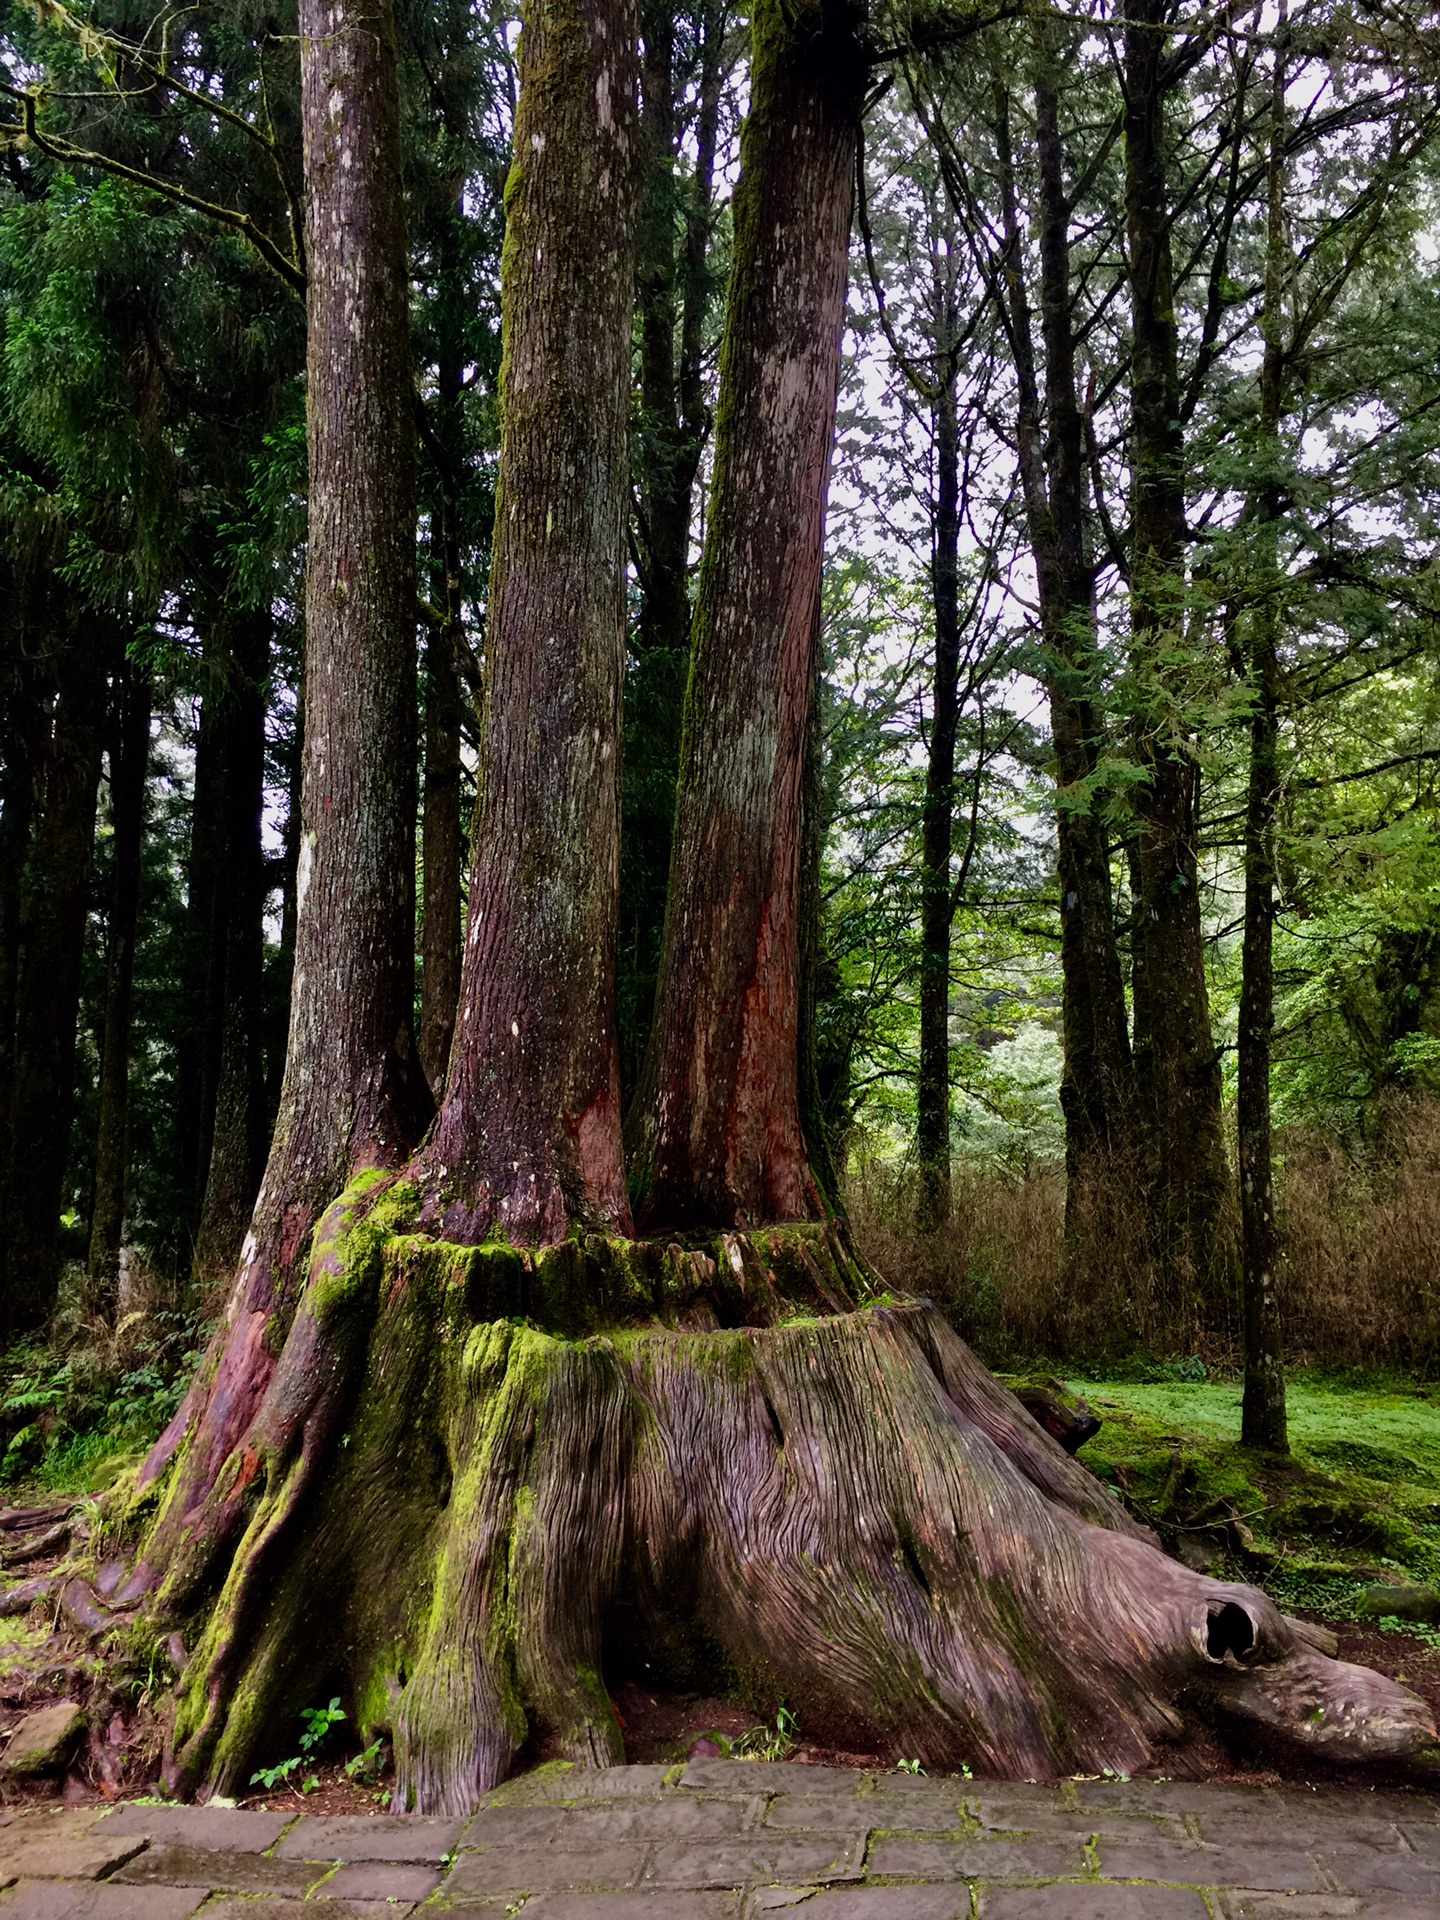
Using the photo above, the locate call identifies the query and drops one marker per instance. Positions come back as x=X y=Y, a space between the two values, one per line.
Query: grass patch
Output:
x=1358 y=1499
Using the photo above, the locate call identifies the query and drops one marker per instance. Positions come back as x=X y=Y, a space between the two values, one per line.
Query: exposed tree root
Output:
x=713 y=1458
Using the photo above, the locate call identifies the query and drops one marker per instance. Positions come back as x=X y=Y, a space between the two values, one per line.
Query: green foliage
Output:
x=70 y=1418
x=317 y=1724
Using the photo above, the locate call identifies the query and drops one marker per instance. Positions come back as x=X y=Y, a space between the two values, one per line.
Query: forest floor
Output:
x=1355 y=1507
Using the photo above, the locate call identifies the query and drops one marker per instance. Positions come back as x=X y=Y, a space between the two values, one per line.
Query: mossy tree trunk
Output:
x=718 y=1132
x=353 y=1096
x=527 y=1142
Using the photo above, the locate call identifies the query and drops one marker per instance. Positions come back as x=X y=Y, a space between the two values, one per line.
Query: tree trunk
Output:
x=528 y=1139
x=129 y=756
x=673 y=297
x=1177 y=1062
x=238 y=1130
x=48 y=991
x=202 y=954
x=354 y=1098
x=20 y=758
x=721 y=1141
x=1262 y=1418
x=441 y=839
x=1097 y=1084
x=932 y=1087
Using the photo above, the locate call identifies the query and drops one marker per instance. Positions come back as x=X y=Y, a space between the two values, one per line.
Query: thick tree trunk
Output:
x=1176 y=1059
x=932 y=1086
x=840 y=1510
x=1262 y=1418
x=129 y=756
x=354 y=1098
x=48 y=992
x=528 y=1139
x=721 y=1141
x=238 y=1130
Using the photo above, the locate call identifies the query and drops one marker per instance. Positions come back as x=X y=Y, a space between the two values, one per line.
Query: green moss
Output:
x=1357 y=1496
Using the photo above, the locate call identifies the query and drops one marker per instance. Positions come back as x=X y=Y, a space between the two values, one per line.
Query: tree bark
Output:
x=932 y=1086
x=129 y=756
x=1262 y=1417
x=673 y=299
x=20 y=757
x=48 y=992
x=1177 y=1062
x=441 y=839
x=354 y=1099
x=238 y=1130
x=202 y=954
x=528 y=1139
x=720 y=1140
x=1097 y=1084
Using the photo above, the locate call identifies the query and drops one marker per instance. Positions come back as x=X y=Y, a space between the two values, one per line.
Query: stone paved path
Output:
x=733 y=1840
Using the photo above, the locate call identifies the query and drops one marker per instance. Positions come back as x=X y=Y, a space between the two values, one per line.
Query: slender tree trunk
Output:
x=129 y=756
x=441 y=840
x=528 y=1138
x=932 y=1090
x=673 y=297
x=48 y=994
x=726 y=1145
x=1097 y=1085
x=20 y=756
x=1176 y=1058
x=202 y=968
x=354 y=1097
x=238 y=1133
x=1262 y=1418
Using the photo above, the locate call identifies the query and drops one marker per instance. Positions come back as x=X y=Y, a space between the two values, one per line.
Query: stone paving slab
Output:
x=221 y=1872
x=360 y=1836
x=71 y=1900
x=739 y=1840
x=226 y=1829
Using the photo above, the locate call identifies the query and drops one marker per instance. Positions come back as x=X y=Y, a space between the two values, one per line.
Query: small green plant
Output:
x=909 y=1766
x=366 y=1766
x=317 y=1723
x=768 y=1743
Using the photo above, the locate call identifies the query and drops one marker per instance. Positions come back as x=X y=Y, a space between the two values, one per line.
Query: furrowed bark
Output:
x=720 y=1138
x=48 y=991
x=528 y=1138
x=354 y=1097
x=846 y=1512
x=1177 y=1063
x=129 y=757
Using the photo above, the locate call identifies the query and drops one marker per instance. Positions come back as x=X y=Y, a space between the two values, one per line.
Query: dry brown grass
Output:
x=1360 y=1225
